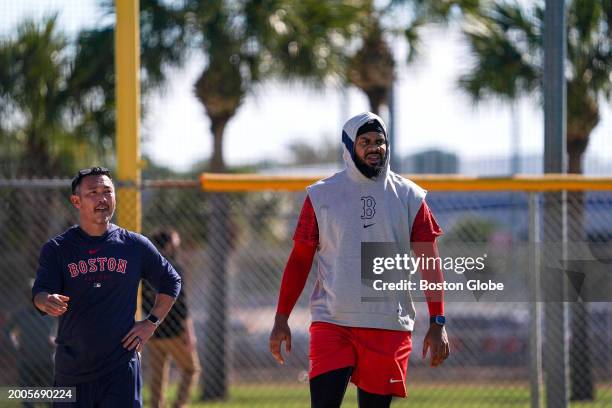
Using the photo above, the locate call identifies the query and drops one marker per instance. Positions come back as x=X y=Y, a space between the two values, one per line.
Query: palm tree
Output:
x=506 y=40
x=37 y=89
x=162 y=42
x=372 y=67
x=221 y=90
x=250 y=41
x=222 y=86
x=57 y=103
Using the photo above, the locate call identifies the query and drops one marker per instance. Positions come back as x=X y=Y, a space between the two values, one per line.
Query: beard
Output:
x=370 y=172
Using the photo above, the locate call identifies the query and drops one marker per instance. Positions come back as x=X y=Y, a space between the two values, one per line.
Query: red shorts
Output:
x=379 y=357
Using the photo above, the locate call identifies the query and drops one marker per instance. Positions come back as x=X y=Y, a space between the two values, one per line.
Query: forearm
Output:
x=432 y=274
x=163 y=304
x=295 y=277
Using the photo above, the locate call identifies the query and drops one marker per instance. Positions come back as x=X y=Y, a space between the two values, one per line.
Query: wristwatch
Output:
x=154 y=319
x=438 y=319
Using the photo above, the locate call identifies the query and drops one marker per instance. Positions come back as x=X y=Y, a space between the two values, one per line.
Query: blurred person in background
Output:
x=88 y=277
x=175 y=338
x=351 y=340
x=32 y=337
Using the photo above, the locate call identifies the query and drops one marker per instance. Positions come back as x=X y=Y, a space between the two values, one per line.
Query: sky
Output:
x=431 y=112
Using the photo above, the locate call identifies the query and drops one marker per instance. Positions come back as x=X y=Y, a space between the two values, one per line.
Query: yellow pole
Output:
x=127 y=68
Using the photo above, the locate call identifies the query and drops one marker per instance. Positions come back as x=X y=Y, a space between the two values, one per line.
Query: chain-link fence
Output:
x=233 y=250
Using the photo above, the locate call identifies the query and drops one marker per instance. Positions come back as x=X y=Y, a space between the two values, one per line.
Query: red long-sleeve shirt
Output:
x=425 y=229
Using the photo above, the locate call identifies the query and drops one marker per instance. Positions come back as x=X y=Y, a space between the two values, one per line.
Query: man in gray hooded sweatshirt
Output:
x=367 y=343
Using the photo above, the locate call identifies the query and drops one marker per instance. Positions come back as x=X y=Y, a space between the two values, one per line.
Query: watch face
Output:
x=440 y=320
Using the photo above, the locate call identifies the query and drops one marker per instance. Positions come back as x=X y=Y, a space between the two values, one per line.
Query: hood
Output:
x=349 y=134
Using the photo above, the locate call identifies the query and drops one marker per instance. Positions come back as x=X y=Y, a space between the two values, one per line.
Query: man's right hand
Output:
x=280 y=333
x=52 y=304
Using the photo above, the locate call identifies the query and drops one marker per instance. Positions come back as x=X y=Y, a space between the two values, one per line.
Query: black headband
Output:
x=371 y=125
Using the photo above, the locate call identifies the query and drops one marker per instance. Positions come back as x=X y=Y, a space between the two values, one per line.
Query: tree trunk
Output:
x=217 y=126
x=36 y=159
x=376 y=98
x=574 y=152
x=581 y=365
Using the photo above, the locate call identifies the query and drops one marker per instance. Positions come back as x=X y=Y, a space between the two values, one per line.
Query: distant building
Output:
x=430 y=162
x=501 y=165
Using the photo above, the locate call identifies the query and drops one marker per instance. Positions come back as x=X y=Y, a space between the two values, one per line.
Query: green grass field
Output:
x=439 y=396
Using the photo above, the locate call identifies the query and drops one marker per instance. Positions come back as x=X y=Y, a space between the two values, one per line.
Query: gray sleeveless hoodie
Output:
x=350 y=209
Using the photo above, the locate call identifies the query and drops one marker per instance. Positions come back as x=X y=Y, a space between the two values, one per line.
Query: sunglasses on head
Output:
x=92 y=171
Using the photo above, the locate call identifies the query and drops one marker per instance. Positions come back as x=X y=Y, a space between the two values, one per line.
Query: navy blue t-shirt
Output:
x=101 y=277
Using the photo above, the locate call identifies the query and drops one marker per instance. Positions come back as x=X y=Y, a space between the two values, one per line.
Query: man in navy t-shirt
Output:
x=88 y=277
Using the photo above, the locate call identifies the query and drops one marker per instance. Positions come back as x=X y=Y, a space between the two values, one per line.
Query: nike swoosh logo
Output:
x=394 y=381
x=368 y=225
x=93 y=251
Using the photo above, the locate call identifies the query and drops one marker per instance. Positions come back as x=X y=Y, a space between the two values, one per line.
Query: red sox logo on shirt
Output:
x=368 y=209
x=97 y=264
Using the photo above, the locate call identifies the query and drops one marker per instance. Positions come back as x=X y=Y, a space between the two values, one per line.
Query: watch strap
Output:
x=154 y=319
x=440 y=320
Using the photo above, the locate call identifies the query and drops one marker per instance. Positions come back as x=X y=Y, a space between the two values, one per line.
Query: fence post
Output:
x=555 y=353
x=221 y=238
x=535 y=308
